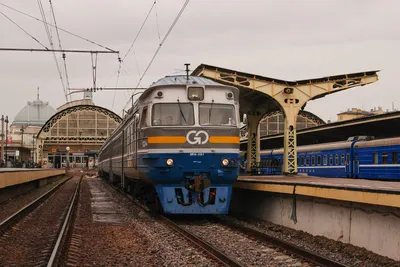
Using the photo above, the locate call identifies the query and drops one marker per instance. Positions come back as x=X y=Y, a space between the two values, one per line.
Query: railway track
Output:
x=61 y=245
x=23 y=212
x=223 y=258
x=307 y=255
x=217 y=255
x=49 y=242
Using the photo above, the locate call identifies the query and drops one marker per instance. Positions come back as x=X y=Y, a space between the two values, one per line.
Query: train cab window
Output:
x=385 y=158
x=330 y=160
x=325 y=160
x=336 y=159
x=217 y=114
x=395 y=158
x=313 y=161
x=347 y=159
x=319 y=160
x=307 y=160
x=143 y=122
x=375 y=158
x=172 y=114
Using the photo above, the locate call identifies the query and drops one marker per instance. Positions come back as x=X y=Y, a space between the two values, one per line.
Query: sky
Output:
x=290 y=40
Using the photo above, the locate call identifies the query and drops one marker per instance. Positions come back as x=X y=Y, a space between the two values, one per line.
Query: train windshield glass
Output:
x=172 y=114
x=217 y=114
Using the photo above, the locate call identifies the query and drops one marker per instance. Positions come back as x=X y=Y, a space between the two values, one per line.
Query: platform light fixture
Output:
x=288 y=90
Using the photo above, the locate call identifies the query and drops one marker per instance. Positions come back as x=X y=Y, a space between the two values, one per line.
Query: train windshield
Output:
x=217 y=114
x=172 y=114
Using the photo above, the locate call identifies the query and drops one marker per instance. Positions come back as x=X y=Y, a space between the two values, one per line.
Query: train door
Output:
x=348 y=166
x=356 y=166
x=135 y=126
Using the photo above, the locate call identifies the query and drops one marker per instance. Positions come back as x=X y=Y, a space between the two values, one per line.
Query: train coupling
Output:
x=197 y=184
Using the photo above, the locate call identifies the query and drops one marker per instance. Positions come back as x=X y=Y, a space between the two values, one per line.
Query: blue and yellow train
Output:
x=177 y=149
x=359 y=157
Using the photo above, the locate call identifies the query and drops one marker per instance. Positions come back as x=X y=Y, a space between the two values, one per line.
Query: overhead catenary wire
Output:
x=60 y=46
x=130 y=48
x=52 y=46
x=61 y=29
x=159 y=47
x=140 y=30
x=23 y=30
x=158 y=27
x=164 y=39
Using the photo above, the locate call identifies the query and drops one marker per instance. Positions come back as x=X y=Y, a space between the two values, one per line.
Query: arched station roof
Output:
x=80 y=123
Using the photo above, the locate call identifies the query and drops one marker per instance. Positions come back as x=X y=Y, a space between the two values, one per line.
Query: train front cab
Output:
x=191 y=148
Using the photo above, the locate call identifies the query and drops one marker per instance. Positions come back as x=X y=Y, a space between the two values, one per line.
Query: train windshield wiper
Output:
x=209 y=112
x=180 y=109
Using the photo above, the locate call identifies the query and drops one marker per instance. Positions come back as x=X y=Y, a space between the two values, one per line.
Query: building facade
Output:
x=21 y=133
x=355 y=113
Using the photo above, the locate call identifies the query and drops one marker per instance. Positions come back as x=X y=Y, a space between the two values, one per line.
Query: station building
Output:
x=70 y=135
x=21 y=136
x=74 y=134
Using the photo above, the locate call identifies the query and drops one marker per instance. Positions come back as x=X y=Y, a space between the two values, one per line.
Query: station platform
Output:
x=355 y=190
x=15 y=176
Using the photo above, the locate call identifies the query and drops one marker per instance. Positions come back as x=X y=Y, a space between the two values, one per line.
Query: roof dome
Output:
x=35 y=113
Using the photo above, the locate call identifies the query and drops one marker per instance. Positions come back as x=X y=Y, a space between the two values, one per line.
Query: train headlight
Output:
x=225 y=162
x=170 y=162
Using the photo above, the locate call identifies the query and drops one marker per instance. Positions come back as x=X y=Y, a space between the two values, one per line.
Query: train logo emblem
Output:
x=197 y=137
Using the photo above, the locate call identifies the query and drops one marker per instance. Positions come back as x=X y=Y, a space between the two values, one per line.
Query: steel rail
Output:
x=216 y=254
x=65 y=229
x=20 y=214
x=298 y=251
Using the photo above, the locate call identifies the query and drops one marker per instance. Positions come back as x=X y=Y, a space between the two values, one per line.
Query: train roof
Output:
x=182 y=79
x=338 y=145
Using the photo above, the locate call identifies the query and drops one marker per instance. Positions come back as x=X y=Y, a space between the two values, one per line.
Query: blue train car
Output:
x=177 y=149
x=358 y=157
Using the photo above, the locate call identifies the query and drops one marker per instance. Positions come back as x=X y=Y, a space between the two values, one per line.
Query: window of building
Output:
x=385 y=158
x=395 y=158
x=325 y=159
x=375 y=158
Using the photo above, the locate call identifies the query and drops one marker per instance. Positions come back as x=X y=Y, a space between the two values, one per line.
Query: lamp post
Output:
x=67 y=157
x=33 y=148
x=6 y=121
x=2 y=140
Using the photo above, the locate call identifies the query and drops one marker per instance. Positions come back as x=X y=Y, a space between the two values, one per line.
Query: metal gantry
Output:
x=288 y=96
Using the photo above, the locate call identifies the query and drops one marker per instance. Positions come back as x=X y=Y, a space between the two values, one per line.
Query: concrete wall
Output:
x=357 y=224
x=10 y=192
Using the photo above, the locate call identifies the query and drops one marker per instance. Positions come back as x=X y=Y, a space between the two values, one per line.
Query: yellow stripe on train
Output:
x=166 y=139
x=182 y=139
x=225 y=139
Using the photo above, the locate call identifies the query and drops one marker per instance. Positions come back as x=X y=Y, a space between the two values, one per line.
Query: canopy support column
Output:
x=253 y=146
